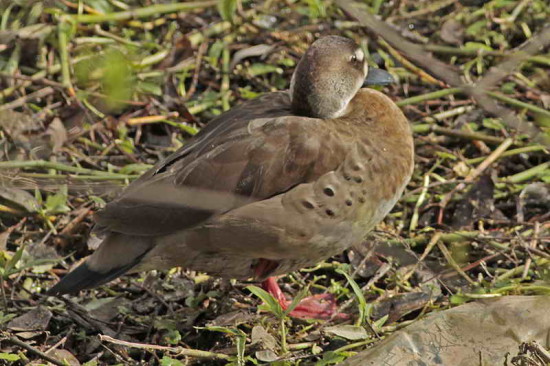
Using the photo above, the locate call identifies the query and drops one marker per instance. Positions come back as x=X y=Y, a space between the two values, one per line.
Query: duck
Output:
x=272 y=185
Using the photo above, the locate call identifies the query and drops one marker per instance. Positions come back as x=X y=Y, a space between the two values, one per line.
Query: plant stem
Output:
x=519 y=150
x=425 y=128
x=519 y=104
x=62 y=33
x=539 y=170
x=146 y=11
x=177 y=350
x=474 y=52
x=284 y=347
x=428 y=96
x=53 y=165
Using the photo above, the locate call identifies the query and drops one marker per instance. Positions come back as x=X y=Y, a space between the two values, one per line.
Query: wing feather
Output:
x=250 y=153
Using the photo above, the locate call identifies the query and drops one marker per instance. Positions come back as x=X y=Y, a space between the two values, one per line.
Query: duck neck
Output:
x=315 y=98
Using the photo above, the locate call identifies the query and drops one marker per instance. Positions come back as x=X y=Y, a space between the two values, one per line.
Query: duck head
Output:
x=329 y=75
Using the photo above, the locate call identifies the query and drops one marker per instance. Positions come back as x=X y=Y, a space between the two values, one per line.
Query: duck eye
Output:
x=353 y=58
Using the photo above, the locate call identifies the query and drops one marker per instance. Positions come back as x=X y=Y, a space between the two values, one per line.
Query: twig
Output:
x=425 y=128
x=198 y=62
x=151 y=119
x=31 y=349
x=452 y=262
x=532 y=244
x=449 y=113
x=433 y=241
x=24 y=99
x=178 y=350
x=70 y=228
x=409 y=65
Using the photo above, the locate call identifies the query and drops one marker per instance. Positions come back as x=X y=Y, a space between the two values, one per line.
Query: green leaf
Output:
x=57 y=203
x=508 y=88
x=380 y=322
x=240 y=340
x=100 y=202
x=149 y=88
x=247 y=93
x=299 y=296
x=446 y=155
x=9 y=357
x=6 y=318
x=10 y=265
x=268 y=299
x=477 y=46
x=261 y=69
x=134 y=168
x=477 y=28
x=458 y=299
x=167 y=361
x=227 y=9
x=316 y=9
x=172 y=336
x=117 y=79
x=492 y=123
x=331 y=358
x=215 y=52
x=359 y=294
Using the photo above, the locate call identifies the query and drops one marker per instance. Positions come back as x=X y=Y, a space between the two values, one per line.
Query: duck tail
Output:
x=117 y=254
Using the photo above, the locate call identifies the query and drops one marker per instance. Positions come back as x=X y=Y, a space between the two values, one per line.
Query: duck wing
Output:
x=252 y=152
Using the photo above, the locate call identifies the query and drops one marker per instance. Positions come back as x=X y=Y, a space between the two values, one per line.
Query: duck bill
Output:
x=378 y=77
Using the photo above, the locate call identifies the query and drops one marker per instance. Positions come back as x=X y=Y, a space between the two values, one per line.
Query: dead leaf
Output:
x=58 y=134
x=107 y=308
x=36 y=319
x=477 y=204
x=261 y=337
x=452 y=32
x=4 y=236
x=18 y=199
x=234 y=318
x=266 y=355
x=254 y=51
x=64 y=356
x=348 y=331
x=401 y=304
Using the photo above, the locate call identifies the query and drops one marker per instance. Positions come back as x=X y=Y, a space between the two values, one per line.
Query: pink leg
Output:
x=321 y=306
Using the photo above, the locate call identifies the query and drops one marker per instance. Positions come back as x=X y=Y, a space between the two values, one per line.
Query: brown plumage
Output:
x=270 y=186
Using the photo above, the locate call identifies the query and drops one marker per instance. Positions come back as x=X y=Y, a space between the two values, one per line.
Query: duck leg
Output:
x=322 y=306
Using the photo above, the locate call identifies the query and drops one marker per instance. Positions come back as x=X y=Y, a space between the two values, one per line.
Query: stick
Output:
x=178 y=350
x=24 y=99
x=38 y=353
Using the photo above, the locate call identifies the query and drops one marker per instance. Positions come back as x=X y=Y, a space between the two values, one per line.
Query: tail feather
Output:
x=83 y=278
x=116 y=255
